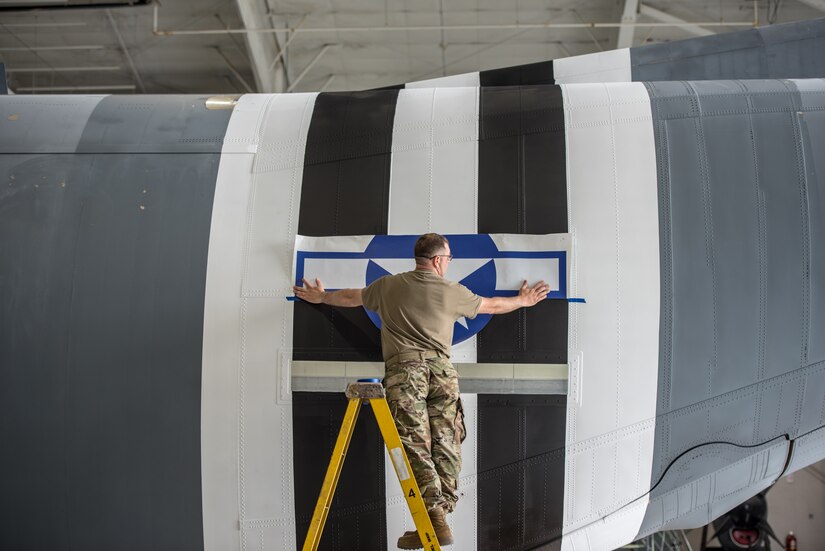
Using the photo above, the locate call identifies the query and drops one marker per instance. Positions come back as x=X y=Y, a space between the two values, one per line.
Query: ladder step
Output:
x=365 y=391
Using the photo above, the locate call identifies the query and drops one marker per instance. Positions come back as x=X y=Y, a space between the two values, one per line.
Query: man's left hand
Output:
x=530 y=296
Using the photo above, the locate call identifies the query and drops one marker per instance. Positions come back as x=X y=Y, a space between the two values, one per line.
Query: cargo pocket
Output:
x=460 y=427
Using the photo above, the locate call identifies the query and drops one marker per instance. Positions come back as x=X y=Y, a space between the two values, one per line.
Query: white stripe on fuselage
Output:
x=246 y=418
x=452 y=81
x=610 y=66
x=614 y=338
x=434 y=188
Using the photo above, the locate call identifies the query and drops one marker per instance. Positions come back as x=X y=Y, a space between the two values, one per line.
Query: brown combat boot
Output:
x=438 y=518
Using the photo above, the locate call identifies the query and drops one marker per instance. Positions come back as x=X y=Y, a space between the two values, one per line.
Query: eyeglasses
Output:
x=448 y=256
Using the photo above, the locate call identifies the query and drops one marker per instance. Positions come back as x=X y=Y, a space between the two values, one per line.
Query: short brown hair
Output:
x=429 y=245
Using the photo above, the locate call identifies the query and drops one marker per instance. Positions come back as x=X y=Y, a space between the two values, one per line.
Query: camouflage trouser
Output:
x=425 y=402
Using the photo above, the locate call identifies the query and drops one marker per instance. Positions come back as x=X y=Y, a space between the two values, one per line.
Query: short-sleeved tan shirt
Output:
x=418 y=310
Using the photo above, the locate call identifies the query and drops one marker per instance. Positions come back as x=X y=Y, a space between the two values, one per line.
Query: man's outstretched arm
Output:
x=527 y=296
x=316 y=295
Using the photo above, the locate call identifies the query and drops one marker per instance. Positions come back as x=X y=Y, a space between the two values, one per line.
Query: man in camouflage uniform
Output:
x=418 y=310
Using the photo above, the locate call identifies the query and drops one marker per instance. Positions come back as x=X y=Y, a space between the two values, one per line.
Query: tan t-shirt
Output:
x=418 y=310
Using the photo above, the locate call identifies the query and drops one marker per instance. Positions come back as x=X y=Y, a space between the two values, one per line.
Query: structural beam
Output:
x=663 y=17
x=327 y=83
x=50 y=48
x=122 y=87
x=672 y=22
x=430 y=28
x=37 y=25
x=288 y=41
x=62 y=69
x=234 y=71
x=309 y=66
x=126 y=52
x=261 y=45
x=630 y=14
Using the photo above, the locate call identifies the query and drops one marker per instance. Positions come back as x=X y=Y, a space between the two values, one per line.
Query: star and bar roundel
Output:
x=490 y=265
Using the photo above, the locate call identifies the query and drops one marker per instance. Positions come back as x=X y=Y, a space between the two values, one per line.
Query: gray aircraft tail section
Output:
x=789 y=50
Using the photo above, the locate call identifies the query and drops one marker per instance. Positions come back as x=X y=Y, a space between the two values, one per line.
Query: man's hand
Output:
x=314 y=294
x=527 y=296
x=530 y=296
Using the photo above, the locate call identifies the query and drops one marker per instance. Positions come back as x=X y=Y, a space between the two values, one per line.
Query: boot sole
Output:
x=420 y=546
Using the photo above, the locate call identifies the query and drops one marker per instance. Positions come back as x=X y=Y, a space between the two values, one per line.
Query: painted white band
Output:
x=246 y=420
x=434 y=188
x=612 y=194
x=464 y=79
x=611 y=66
x=341 y=243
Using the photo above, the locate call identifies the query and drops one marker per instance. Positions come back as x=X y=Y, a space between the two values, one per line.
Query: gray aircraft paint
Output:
x=812 y=128
x=789 y=50
x=104 y=233
x=36 y=124
x=736 y=269
x=32 y=169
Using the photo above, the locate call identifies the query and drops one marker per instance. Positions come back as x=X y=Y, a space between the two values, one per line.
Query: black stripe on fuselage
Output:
x=102 y=283
x=522 y=188
x=345 y=192
x=519 y=75
x=521 y=470
x=390 y=87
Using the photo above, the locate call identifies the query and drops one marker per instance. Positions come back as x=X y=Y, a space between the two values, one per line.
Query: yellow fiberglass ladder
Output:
x=371 y=391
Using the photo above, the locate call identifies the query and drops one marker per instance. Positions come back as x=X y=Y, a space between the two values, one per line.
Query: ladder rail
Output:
x=339 y=453
x=403 y=471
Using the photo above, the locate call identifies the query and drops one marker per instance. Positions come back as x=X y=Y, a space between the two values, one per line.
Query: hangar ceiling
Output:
x=239 y=46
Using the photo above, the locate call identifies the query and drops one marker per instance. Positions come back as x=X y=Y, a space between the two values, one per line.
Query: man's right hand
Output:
x=310 y=293
x=317 y=295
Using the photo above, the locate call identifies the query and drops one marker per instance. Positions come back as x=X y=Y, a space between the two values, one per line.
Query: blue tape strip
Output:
x=581 y=300
x=292 y=299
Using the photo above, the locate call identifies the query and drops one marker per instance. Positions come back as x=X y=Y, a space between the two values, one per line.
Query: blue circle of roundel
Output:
x=481 y=281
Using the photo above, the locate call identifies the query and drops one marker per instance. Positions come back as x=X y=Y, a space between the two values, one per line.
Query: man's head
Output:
x=432 y=252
